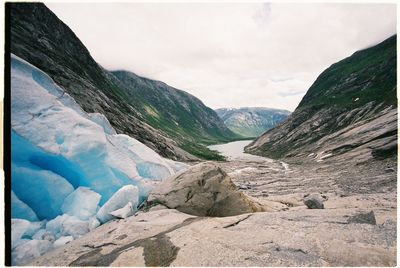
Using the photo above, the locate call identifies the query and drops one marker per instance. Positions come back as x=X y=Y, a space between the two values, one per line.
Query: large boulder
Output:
x=203 y=190
x=314 y=201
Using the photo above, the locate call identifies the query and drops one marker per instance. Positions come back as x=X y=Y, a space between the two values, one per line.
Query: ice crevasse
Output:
x=70 y=171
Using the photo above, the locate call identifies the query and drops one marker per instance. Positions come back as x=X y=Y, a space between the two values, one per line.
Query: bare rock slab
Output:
x=203 y=190
x=363 y=218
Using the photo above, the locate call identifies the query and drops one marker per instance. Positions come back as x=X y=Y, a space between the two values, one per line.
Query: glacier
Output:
x=70 y=170
x=81 y=203
x=125 y=195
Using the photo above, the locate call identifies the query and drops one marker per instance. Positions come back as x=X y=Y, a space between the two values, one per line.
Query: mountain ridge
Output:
x=350 y=110
x=166 y=102
x=251 y=122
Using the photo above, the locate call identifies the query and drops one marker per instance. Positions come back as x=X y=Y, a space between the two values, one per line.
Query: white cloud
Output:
x=228 y=55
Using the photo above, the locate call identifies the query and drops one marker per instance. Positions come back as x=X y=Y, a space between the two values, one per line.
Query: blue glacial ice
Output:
x=69 y=168
x=21 y=210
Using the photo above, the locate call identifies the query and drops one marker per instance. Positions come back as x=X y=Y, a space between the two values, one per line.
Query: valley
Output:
x=110 y=168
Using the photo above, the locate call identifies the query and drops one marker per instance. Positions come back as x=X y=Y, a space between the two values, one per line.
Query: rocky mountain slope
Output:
x=251 y=121
x=40 y=38
x=350 y=111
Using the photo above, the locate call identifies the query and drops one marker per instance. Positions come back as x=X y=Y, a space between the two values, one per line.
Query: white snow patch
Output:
x=66 y=225
x=120 y=199
x=325 y=156
x=81 y=203
x=29 y=251
x=42 y=234
x=62 y=241
x=18 y=228
x=93 y=223
x=124 y=212
x=102 y=121
x=285 y=165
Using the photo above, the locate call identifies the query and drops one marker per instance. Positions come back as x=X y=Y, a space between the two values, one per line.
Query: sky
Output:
x=228 y=54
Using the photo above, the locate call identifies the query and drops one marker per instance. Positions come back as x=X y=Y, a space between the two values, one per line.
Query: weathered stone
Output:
x=305 y=237
x=292 y=238
x=203 y=190
x=365 y=218
x=314 y=201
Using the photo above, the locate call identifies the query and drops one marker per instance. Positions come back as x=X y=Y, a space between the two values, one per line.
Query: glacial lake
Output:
x=235 y=151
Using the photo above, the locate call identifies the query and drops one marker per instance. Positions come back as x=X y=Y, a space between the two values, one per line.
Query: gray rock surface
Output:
x=290 y=238
x=365 y=218
x=203 y=190
x=288 y=234
x=314 y=201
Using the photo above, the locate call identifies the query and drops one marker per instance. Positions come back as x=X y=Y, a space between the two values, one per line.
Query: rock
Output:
x=157 y=207
x=244 y=187
x=168 y=237
x=203 y=190
x=389 y=169
x=314 y=201
x=364 y=218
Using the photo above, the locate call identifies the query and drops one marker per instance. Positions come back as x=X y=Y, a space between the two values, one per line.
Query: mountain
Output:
x=349 y=111
x=180 y=115
x=40 y=38
x=251 y=121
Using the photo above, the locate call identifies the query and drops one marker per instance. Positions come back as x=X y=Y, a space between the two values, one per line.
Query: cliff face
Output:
x=351 y=109
x=39 y=37
x=251 y=121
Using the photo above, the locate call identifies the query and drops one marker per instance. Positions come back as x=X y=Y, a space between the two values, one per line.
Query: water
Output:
x=235 y=151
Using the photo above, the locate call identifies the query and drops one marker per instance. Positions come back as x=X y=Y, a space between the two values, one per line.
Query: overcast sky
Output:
x=228 y=55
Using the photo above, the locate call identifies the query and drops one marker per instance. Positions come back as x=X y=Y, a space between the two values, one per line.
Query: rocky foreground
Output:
x=357 y=226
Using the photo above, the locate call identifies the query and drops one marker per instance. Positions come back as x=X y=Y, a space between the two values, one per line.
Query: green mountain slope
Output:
x=350 y=109
x=178 y=114
x=251 y=122
x=40 y=38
